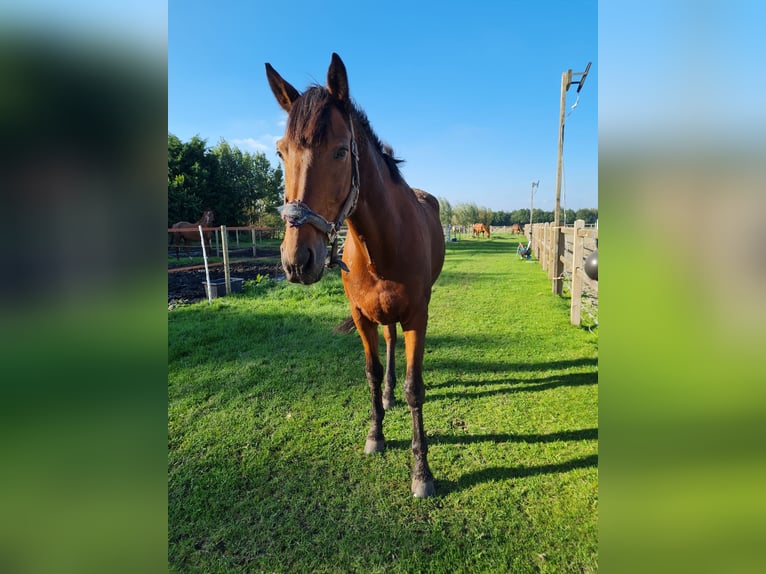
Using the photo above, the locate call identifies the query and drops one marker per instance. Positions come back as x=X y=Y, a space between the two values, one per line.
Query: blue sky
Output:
x=467 y=95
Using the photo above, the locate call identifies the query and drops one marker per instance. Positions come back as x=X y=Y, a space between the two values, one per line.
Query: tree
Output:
x=520 y=216
x=230 y=183
x=240 y=187
x=589 y=215
x=466 y=214
x=501 y=218
x=445 y=211
x=540 y=216
x=189 y=171
x=264 y=194
x=485 y=216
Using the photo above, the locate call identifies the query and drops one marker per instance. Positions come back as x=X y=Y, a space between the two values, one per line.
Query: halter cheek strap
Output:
x=296 y=213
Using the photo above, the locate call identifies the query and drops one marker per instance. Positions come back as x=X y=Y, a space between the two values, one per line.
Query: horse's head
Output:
x=320 y=166
x=207 y=218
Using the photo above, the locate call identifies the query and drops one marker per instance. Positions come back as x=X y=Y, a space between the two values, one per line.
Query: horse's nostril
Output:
x=310 y=261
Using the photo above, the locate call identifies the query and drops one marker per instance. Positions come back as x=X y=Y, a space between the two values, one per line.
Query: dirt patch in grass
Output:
x=186 y=284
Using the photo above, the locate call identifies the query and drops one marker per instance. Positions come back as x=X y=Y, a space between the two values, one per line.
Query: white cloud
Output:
x=264 y=143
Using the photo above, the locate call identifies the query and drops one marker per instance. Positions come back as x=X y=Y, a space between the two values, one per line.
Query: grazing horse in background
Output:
x=480 y=228
x=190 y=232
x=516 y=229
x=336 y=169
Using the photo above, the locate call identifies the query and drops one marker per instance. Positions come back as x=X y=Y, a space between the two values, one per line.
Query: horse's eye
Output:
x=279 y=155
x=341 y=153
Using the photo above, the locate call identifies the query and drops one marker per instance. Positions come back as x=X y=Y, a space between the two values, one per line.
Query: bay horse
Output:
x=337 y=169
x=480 y=228
x=190 y=233
x=516 y=229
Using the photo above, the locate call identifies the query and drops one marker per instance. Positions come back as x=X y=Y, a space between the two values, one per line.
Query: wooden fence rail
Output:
x=256 y=234
x=576 y=243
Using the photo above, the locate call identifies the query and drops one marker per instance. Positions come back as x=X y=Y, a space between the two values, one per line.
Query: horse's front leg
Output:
x=389 y=333
x=368 y=331
x=414 y=393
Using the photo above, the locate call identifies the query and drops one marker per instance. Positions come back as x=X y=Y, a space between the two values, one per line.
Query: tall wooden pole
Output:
x=558 y=241
x=558 y=267
x=531 y=207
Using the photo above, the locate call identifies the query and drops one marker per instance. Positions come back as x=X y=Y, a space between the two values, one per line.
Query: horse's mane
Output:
x=309 y=119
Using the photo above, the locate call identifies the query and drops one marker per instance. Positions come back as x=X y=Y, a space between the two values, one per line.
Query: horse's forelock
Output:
x=309 y=118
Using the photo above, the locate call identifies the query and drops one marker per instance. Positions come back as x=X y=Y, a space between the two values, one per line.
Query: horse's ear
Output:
x=337 y=80
x=283 y=91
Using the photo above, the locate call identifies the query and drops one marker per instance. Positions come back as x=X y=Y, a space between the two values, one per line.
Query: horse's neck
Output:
x=375 y=212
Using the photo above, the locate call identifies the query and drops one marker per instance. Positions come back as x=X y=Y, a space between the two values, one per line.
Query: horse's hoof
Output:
x=374 y=445
x=388 y=402
x=422 y=488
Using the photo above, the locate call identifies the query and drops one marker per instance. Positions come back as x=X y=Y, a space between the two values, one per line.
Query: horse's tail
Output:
x=345 y=327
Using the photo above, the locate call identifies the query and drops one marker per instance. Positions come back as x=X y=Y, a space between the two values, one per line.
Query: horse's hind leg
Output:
x=368 y=331
x=389 y=333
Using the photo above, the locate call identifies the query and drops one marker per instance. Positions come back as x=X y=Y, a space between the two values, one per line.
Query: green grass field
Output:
x=269 y=409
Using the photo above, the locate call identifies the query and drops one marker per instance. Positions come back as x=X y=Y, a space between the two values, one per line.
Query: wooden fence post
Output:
x=548 y=247
x=225 y=245
x=558 y=266
x=577 y=261
x=252 y=233
x=538 y=229
x=551 y=265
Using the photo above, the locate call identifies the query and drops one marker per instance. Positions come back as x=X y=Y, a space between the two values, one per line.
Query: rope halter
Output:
x=296 y=213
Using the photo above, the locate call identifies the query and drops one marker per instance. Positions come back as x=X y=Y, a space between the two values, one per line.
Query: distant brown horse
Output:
x=190 y=233
x=517 y=229
x=480 y=228
x=336 y=169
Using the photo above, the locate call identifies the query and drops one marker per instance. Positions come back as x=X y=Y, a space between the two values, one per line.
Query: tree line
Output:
x=241 y=188
x=466 y=214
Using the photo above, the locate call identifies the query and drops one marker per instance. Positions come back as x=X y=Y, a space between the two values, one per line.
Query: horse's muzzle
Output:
x=304 y=264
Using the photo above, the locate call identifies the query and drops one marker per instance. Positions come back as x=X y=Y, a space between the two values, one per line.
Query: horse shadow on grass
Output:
x=510 y=387
x=466 y=439
x=493 y=473
x=527 y=382
x=484 y=366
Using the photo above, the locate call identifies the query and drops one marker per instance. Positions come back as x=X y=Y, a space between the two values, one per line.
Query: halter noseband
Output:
x=297 y=213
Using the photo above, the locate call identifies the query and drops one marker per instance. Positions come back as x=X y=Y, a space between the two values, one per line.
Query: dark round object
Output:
x=591 y=265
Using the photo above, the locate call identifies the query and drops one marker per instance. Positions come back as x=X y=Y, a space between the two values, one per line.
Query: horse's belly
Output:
x=384 y=307
x=388 y=310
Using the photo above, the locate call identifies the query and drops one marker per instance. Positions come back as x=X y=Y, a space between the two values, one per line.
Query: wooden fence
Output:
x=256 y=234
x=575 y=244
